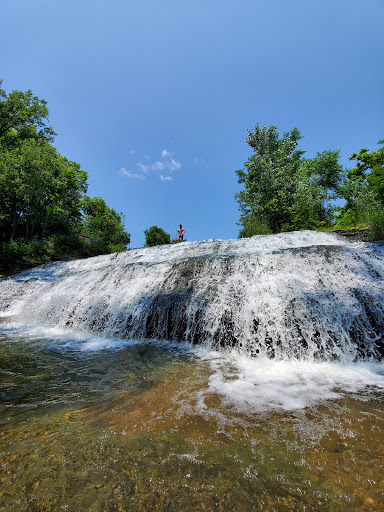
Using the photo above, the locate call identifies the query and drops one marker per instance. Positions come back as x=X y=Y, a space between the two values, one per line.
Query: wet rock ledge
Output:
x=353 y=235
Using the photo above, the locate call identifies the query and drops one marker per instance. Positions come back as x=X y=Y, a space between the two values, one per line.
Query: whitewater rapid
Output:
x=303 y=296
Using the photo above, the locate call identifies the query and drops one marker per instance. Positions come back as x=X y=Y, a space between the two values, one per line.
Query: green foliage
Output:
x=61 y=244
x=116 y=248
x=156 y=236
x=268 y=176
x=283 y=190
x=103 y=223
x=40 y=190
x=21 y=253
x=22 y=117
x=252 y=227
x=177 y=241
x=98 y=247
x=363 y=188
x=41 y=205
x=376 y=224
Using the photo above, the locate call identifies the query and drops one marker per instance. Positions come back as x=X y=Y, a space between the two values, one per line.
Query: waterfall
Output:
x=303 y=296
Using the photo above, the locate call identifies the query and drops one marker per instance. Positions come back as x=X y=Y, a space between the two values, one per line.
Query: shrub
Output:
x=22 y=253
x=156 y=236
x=254 y=227
x=376 y=224
x=97 y=247
x=62 y=244
x=116 y=248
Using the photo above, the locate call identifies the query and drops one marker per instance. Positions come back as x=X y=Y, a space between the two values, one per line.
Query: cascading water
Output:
x=303 y=295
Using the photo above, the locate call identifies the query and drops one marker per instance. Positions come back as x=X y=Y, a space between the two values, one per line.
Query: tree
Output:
x=268 y=176
x=103 y=223
x=363 y=188
x=23 y=116
x=318 y=182
x=40 y=191
x=156 y=236
x=282 y=190
x=252 y=227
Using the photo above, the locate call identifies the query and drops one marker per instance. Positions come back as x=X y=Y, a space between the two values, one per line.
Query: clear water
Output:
x=267 y=394
x=100 y=425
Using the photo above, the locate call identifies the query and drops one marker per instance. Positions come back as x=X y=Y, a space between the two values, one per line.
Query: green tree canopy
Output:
x=363 y=188
x=156 y=236
x=282 y=190
x=23 y=116
x=103 y=223
x=39 y=190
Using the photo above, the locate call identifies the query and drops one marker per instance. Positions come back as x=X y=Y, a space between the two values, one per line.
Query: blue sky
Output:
x=154 y=98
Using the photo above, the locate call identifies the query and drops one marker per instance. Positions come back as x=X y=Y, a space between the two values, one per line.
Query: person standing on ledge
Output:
x=180 y=233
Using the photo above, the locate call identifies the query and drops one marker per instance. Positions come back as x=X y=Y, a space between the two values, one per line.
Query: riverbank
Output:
x=21 y=254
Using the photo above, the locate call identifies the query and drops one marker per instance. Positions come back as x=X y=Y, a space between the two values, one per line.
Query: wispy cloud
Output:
x=174 y=165
x=156 y=166
x=124 y=172
x=165 y=154
x=167 y=164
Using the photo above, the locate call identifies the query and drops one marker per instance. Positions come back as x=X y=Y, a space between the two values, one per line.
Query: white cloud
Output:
x=142 y=167
x=124 y=172
x=159 y=166
x=165 y=154
x=174 y=165
x=167 y=164
x=156 y=166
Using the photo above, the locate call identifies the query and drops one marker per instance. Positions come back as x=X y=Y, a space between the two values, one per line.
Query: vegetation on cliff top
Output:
x=284 y=191
x=42 y=206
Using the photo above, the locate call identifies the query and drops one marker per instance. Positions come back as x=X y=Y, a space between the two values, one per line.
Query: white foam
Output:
x=256 y=385
x=244 y=383
x=62 y=339
x=303 y=295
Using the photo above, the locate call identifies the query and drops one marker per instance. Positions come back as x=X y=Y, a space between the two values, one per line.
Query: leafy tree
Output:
x=268 y=176
x=39 y=190
x=318 y=182
x=363 y=188
x=370 y=166
x=252 y=226
x=103 y=223
x=282 y=190
x=23 y=116
x=156 y=236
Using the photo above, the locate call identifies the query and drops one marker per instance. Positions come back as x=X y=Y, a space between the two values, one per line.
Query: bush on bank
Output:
x=20 y=254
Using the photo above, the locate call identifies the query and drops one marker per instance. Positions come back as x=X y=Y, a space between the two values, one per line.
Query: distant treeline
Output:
x=284 y=191
x=42 y=192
